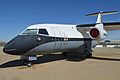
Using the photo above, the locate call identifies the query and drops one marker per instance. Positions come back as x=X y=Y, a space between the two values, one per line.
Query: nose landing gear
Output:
x=27 y=60
x=27 y=63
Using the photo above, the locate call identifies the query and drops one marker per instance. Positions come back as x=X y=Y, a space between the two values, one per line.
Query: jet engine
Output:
x=98 y=32
x=94 y=33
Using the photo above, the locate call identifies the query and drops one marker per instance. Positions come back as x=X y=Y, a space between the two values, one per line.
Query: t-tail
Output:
x=99 y=33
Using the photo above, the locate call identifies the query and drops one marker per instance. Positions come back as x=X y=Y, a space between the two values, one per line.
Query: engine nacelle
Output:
x=96 y=33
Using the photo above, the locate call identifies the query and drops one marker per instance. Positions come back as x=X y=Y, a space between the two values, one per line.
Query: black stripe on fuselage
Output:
x=24 y=43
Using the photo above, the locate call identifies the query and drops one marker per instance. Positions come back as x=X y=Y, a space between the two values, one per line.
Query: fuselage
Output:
x=46 y=38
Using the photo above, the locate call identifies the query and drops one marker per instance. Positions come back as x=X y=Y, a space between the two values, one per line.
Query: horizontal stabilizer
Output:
x=102 y=13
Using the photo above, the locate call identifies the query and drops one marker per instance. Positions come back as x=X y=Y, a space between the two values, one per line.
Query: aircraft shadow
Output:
x=109 y=59
x=40 y=60
x=75 y=58
x=11 y=64
x=50 y=58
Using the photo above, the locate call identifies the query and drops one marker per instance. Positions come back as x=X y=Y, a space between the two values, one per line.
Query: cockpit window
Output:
x=43 y=31
x=30 y=32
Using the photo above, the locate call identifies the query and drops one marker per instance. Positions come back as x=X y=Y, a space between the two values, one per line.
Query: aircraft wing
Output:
x=107 y=26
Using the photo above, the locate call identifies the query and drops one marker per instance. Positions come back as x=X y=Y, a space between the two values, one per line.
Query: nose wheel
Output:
x=27 y=63
x=27 y=60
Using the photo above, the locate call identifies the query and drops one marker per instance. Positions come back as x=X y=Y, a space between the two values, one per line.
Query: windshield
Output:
x=30 y=32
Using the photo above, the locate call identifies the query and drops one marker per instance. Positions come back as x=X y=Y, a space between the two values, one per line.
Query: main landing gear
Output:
x=27 y=60
x=88 y=54
x=83 y=55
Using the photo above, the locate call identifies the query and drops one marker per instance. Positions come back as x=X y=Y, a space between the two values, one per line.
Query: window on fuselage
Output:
x=30 y=32
x=43 y=31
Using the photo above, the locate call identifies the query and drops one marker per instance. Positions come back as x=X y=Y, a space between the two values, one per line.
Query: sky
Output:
x=16 y=15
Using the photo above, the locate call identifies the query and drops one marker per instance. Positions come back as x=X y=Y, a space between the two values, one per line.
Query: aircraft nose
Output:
x=9 y=48
x=20 y=44
x=15 y=46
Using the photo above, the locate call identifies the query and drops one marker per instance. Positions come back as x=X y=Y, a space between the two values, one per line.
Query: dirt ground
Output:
x=105 y=65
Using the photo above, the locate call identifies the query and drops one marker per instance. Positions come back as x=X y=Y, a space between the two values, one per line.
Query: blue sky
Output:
x=16 y=15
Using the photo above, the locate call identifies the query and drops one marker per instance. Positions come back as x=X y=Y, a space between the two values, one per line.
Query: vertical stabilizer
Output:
x=99 y=19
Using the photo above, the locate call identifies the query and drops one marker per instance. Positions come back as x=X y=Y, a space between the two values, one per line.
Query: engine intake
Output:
x=94 y=33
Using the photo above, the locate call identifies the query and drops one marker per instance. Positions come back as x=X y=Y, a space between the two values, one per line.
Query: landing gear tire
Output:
x=89 y=55
x=29 y=64
x=84 y=56
x=27 y=60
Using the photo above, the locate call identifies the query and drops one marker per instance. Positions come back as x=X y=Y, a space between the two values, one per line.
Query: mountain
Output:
x=2 y=43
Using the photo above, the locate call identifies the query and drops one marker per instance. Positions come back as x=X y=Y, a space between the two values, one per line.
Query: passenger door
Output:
x=58 y=38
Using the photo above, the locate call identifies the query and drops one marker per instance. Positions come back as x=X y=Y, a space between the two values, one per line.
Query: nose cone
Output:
x=20 y=44
x=15 y=46
x=9 y=48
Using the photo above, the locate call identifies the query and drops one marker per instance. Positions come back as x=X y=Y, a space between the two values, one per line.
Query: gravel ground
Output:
x=105 y=65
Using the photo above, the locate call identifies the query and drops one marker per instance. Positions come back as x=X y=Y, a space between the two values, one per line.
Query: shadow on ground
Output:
x=51 y=58
x=102 y=58
x=40 y=60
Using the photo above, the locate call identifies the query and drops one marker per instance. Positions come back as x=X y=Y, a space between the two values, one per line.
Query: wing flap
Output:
x=112 y=26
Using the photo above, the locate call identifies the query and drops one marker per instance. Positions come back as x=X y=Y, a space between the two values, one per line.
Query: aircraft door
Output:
x=65 y=42
x=58 y=38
